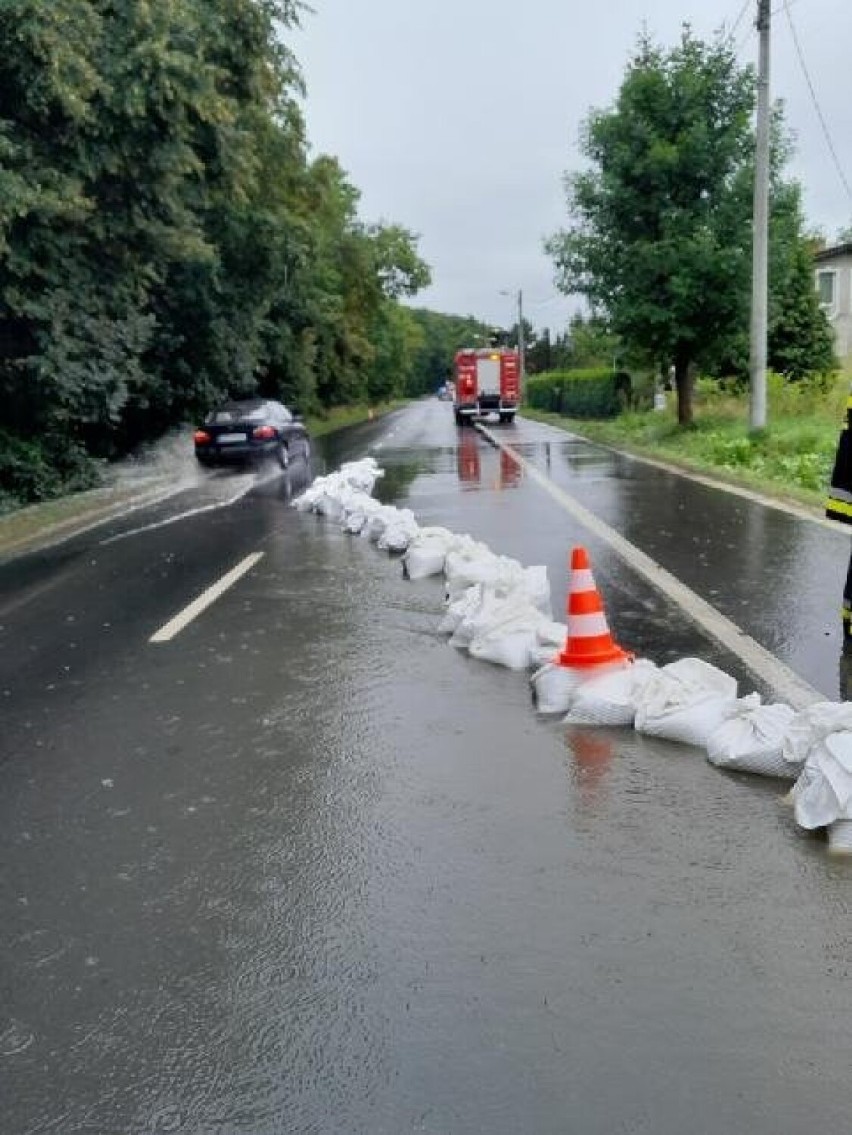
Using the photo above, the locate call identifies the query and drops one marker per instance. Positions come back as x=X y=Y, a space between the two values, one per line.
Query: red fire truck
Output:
x=487 y=381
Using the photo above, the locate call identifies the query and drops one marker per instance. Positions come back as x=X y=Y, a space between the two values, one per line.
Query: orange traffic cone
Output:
x=588 y=642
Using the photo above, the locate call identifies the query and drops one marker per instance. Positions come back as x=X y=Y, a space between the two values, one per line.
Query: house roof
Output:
x=833 y=253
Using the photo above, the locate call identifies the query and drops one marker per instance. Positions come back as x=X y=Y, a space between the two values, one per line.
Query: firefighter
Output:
x=839 y=507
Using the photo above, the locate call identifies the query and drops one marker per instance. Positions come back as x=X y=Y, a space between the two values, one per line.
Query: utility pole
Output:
x=760 y=227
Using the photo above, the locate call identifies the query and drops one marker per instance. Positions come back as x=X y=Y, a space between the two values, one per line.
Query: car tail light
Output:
x=202 y=437
x=264 y=433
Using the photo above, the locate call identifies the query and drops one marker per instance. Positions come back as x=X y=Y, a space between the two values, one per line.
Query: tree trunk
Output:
x=683 y=385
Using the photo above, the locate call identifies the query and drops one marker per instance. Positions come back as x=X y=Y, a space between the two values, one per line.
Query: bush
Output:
x=36 y=470
x=594 y=393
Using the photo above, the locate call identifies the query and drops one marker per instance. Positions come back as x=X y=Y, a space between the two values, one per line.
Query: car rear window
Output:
x=227 y=414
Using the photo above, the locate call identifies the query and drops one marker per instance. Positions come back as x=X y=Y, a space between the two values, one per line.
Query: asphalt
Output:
x=306 y=868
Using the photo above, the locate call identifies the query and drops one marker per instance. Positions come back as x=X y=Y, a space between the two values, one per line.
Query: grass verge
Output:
x=341 y=416
x=789 y=460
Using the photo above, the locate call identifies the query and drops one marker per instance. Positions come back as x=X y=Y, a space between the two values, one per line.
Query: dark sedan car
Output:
x=250 y=430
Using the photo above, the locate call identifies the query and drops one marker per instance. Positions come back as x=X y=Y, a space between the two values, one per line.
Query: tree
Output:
x=661 y=238
x=164 y=239
x=440 y=337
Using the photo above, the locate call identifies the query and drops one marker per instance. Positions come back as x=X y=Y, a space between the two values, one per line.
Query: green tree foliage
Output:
x=439 y=336
x=164 y=238
x=661 y=237
x=800 y=341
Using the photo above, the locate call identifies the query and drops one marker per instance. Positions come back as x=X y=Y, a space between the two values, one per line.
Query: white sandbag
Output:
x=554 y=687
x=427 y=553
x=685 y=701
x=395 y=538
x=840 y=837
x=551 y=639
x=460 y=609
x=362 y=474
x=483 y=611
x=536 y=586
x=399 y=531
x=823 y=792
x=463 y=570
x=424 y=558
x=751 y=739
x=609 y=694
x=329 y=506
x=354 y=522
x=810 y=726
x=332 y=495
x=505 y=631
x=378 y=522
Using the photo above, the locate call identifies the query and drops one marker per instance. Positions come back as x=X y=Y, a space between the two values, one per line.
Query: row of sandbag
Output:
x=694 y=703
x=499 y=611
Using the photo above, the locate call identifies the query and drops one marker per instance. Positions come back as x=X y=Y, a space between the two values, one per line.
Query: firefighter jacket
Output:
x=839 y=503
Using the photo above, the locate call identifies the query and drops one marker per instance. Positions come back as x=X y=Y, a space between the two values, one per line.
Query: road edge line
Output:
x=784 y=682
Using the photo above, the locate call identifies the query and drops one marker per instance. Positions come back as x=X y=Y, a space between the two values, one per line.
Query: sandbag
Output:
x=464 y=570
x=685 y=701
x=486 y=611
x=460 y=609
x=399 y=531
x=361 y=474
x=809 y=727
x=840 y=837
x=536 y=586
x=609 y=694
x=554 y=687
x=751 y=739
x=427 y=553
x=823 y=792
x=378 y=522
x=551 y=640
x=505 y=631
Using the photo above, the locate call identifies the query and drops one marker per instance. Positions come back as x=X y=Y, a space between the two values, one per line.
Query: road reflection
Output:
x=591 y=762
x=472 y=453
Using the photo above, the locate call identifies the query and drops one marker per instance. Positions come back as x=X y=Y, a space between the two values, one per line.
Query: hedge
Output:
x=598 y=393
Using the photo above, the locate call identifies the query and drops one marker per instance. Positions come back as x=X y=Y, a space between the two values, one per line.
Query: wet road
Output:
x=306 y=868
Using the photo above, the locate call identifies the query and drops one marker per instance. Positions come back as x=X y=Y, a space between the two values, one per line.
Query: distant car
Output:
x=251 y=430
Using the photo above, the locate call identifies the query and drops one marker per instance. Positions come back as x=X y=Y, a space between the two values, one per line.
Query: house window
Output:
x=826 y=289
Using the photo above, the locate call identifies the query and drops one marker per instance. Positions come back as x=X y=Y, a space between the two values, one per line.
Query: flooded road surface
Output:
x=306 y=868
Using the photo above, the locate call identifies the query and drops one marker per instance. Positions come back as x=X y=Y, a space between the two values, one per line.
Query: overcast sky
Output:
x=458 y=118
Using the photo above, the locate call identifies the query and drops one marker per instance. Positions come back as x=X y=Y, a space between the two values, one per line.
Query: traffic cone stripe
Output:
x=581 y=580
x=587 y=626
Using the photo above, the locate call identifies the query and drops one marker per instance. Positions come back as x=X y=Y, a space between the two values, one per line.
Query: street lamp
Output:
x=521 y=356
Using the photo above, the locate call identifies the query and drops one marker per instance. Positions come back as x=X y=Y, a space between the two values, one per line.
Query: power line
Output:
x=817 y=107
x=745 y=39
x=739 y=19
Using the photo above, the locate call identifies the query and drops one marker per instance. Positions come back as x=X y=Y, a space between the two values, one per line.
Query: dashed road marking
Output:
x=784 y=682
x=205 y=599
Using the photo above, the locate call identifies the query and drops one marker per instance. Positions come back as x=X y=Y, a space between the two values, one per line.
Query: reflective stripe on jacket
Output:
x=839 y=503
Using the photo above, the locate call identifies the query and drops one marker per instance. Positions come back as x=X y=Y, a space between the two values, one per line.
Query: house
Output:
x=834 y=287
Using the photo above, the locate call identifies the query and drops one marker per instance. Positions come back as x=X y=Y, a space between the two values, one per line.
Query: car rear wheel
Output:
x=306 y=452
x=283 y=455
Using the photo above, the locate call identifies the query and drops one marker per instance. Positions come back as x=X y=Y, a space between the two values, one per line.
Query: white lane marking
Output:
x=183 y=618
x=784 y=682
x=179 y=516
